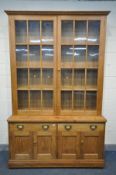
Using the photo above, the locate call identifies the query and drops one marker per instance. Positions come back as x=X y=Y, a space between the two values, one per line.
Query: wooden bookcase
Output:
x=57 y=62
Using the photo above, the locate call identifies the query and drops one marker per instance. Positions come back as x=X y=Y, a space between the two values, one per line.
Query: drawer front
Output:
x=33 y=127
x=67 y=127
x=88 y=127
x=81 y=127
x=52 y=126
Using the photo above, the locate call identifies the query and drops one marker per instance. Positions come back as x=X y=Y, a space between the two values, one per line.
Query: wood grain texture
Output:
x=58 y=163
x=68 y=144
x=8 y=12
x=30 y=118
x=57 y=137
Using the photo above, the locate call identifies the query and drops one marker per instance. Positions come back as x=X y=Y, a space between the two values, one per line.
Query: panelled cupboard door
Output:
x=68 y=142
x=92 y=145
x=45 y=142
x=21 y=147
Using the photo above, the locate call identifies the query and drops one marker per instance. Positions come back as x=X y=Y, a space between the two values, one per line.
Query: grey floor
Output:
x=110 y=168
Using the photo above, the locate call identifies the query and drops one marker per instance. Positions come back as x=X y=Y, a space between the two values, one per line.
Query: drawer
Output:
x=43 y=127
x=86 y=127
x=20 y=127
x=66 y=127
x=33 y=127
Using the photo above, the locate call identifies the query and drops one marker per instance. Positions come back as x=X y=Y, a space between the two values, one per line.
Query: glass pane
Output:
x=66 y=99
x=66 y=55
x=80 y=55
x=35 y=78
x=35 y=99
x=93 y=55
x=47 y=31
x=47 y=55
x=93 y=31
x=47 y=77
x=80 y=31
x=92 y=78
x=91 y=97
x=47 y=100
x=21 y=56
x=34 y=56
x=78 y=100
x=22 y=78
x=21 y=31
x=79 y=77
x=22 y=100
x=34 y=31
x=66 y=77
x=67 y=31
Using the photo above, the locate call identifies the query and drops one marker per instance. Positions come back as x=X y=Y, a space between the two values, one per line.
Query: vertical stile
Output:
x=59 y=67
x=86 y=66
x=13 y=64
x=54 y=67
x=28 y=60
x=41 y=66
x=73 y=65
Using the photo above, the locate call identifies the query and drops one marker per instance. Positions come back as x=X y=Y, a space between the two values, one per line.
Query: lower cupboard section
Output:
x=56 y=144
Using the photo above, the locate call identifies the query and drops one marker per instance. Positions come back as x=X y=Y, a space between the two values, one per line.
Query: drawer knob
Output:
x=68 y=127
x=93 y=127
x=20 y=127
x=45 y=127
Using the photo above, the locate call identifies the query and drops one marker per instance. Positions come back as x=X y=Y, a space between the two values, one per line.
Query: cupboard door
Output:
x=45 y=142
x=21 y=145
x=68 y=142
x=92 y=145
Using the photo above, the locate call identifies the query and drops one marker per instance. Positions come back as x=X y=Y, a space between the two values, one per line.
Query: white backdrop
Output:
x=109 y=95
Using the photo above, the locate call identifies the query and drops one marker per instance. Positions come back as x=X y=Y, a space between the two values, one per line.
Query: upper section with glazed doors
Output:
x=58 y=63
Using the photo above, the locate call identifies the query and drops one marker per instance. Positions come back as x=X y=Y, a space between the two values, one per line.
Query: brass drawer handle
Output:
x=93 y=127
x=45 y=127
x=68 y=127
x=20 y=127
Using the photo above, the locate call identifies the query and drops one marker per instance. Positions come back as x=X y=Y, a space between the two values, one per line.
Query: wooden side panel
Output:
x=21 y=146
x=92 y=145
x=68 y=142
x=45 y=143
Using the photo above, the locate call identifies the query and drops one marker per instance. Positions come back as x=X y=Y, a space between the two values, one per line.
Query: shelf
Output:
x=80 y=88
x=90 y=88
x=22 y=88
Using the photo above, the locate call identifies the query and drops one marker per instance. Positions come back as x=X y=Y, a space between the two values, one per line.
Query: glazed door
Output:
x=78 y=65
x=45 y=142
x=68 y=141
x=35 y=60
x=92 y=145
